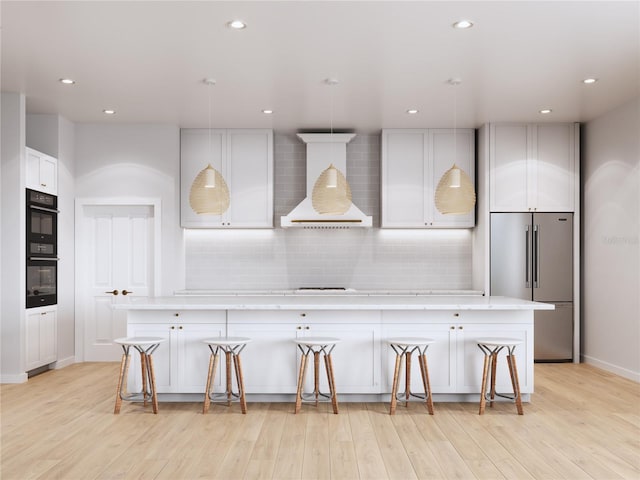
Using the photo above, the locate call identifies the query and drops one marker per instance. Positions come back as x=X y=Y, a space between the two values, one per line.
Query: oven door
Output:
x=42 y=281
x=42 y=223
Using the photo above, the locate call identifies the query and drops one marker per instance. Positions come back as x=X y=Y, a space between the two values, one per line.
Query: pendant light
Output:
x=455 y=193
x=209 y=193
x=331 y=193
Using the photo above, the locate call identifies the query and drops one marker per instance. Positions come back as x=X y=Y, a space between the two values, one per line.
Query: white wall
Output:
x=134 y=160
x=611 y=245
x=12 y=253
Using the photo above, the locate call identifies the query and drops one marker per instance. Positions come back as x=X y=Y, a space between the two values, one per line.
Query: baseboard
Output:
x=16 y=378
x=65 y=362
x=609 y=367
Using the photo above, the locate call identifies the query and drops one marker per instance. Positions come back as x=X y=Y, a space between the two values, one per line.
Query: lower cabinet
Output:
x=41 y=337
x=182 y=361
x=271 y=361
x=454 y=359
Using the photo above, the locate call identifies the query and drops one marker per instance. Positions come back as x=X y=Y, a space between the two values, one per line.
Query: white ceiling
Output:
x=147 y=60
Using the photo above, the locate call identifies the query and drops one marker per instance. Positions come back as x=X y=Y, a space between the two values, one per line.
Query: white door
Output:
x=115 y=262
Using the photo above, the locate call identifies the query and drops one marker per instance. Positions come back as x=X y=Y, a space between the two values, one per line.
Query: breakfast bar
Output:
x=363 y=360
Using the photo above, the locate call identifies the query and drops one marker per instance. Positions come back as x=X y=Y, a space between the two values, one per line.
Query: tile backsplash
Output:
x=358 y=258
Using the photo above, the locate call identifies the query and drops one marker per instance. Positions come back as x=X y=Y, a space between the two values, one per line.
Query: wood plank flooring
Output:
x=582 y=423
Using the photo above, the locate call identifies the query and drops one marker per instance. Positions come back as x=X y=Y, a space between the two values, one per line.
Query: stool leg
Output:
x=425 y=381
x=513 y=371
x=303 y=367
x=316 y=375
x=394 y=390
x=240 y=380
x=210 y=375
x=494 y=364
x=229 y=378
x=145 y=376
x=407 y=378
x=121 y=380
x=328 y=363
x=152 y=381
x=483 y=389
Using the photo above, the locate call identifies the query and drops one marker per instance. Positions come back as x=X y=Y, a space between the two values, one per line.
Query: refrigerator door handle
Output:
x=527 y=260
x=536 y=258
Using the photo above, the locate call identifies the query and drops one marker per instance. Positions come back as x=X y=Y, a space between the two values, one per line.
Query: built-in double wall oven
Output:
x=42 y=249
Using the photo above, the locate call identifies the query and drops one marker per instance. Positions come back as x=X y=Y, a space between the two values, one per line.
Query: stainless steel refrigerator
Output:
x=532 y=258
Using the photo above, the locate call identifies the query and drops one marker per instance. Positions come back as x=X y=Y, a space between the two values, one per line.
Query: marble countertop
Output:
x=330 y=302
x=298 y=292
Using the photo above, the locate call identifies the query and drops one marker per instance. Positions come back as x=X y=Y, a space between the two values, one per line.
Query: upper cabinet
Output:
x=533 y=167
x=244 y=157
x=42 y=172
x=413 y=161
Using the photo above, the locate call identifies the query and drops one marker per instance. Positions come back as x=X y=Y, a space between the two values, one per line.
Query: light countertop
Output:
x=348 y=291
x=330 y=302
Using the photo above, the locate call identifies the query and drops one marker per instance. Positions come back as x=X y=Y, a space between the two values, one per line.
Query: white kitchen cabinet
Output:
x=42 y=172
x=413 y=162
x=533 y=167
x=180 y=363
x=244 y=157
x=454 y=360
x=41 y=337
x=271 y=361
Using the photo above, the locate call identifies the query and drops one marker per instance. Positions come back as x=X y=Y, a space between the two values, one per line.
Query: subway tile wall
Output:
x=364 y=259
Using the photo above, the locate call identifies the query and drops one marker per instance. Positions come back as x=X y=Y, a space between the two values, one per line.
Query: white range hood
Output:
x=324 y=149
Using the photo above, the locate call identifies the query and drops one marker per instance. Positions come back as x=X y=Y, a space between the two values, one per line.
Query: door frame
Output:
x=80 y=203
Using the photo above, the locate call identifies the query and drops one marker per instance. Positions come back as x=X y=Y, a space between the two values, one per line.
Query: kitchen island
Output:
x=363 y=361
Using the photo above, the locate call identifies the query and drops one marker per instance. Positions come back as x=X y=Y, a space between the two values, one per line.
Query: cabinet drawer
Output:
x=177 y=316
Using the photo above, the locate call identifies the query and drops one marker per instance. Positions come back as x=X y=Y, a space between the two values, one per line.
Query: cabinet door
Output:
x=41 y=337
x=441 y=357
x=470 y=357
x=193 y=356
x=249 y=175
x=508 y=162
x=555 y=168
x=48 y=337
x=198 y=148
x=42 y=172
x=270 y=361
x=403 y=178
x=164 y=358
x=32 y=333
x=447 y=148
x=356 y=359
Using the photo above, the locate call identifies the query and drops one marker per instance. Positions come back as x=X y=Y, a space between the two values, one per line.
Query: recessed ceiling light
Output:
x=109 y=111
x=589 y=80
x=412 y=111
x=267 y=111
x=462 y=24
x=236 y=24
x=67 y=81
x=546 y=110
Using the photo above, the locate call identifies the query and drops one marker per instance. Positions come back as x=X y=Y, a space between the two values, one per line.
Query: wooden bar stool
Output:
x=316 y=345
x=145 y=346
x=231 y=346
x=404 y=348
x=491 y=347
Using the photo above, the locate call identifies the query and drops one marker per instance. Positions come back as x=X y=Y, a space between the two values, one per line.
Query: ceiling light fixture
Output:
x=267 y=111
x=331 y=193
x=544 y=111
x=109 y=111
x=236 y=24
x=67 y=81
x=412 y=111
x=455 y=193
x=209 y=193
x=463 y=24
x=589 y=81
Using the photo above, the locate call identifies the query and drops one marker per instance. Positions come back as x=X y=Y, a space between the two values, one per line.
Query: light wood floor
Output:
x=581 y=423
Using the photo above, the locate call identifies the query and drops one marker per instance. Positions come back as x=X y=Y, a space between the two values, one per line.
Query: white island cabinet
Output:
x=363 y=360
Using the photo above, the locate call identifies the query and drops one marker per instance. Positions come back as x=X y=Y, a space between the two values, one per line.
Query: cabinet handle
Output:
x=176 y=314
x=173 y=327
x=456 y=314
x=306 y=327
x=113 y=292
x=303 y=314
x=460 y=327
x=453 y=327
x=43 y=184
x=125 y=292
x=298 y=327
x=180 y=327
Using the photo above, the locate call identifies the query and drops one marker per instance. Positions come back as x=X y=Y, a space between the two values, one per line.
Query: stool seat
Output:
x=410 y=341
x=316 y=341
x=499 y=342
x=145 y=346
x=227 y=341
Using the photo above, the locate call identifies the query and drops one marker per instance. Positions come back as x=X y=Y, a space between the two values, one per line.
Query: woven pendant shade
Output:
x=206 y=200
x=455 y=200
x=330 y=196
